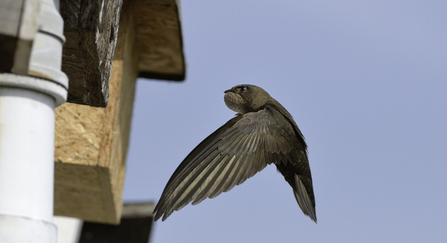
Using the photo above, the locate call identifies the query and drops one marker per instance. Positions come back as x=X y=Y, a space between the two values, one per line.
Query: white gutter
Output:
x=27 y=136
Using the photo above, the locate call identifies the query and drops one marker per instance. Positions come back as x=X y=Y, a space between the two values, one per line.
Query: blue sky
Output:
x=366 y=82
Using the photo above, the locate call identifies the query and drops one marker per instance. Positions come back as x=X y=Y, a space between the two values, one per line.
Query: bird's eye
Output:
x=243 y=88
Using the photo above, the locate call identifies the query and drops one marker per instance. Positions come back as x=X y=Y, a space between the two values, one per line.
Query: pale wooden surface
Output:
x=159 y=39
x=91 y=143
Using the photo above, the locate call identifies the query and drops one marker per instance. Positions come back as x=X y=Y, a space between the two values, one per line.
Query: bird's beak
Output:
x=229 y=90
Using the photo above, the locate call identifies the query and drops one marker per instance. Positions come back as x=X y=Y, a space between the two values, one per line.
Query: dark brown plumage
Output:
x=263 y=132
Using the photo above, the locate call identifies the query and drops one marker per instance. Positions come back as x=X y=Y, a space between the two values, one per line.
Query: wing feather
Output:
x=233 y=153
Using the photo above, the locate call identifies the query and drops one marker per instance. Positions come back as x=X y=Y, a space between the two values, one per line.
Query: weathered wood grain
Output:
x=90 y=28
x=91 y=142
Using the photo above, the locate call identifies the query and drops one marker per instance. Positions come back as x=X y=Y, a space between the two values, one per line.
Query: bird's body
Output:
x=263 y=132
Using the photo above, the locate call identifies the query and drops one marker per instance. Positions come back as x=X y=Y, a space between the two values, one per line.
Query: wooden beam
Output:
x=90 y=28
x=135 y=226
x=159 y=37
x=91 y=143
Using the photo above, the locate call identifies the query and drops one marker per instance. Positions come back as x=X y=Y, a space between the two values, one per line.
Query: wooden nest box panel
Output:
x=91 y=142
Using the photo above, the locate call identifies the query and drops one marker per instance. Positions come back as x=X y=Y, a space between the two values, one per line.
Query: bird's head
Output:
x=245 y=98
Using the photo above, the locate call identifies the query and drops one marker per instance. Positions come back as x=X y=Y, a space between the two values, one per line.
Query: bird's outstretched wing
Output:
x=234 y=152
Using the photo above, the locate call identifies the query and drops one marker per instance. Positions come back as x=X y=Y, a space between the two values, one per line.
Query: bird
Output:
x=262 y=132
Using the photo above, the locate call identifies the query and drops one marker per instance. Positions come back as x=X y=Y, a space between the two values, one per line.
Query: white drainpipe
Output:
x=27 y=136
